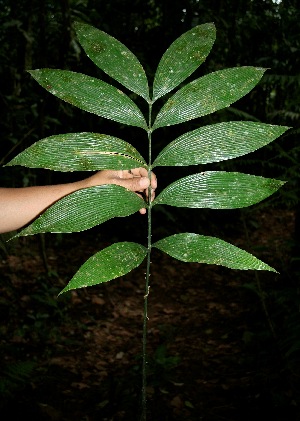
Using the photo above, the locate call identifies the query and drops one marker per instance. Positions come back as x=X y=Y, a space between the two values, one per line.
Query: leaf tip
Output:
x=12 y=237
x=271 y=269
x=63 y=291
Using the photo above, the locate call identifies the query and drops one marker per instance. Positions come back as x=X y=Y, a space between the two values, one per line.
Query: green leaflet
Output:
x=182 y=58
x=85 y=209
x=207 y=94
x=90 y=94
x=218 y=190
x=113 y=58
x=189 y=247
x=80 y=152
x=110 y=263
x=218 y=142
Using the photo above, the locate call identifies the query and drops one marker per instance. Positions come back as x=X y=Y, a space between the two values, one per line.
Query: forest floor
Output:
x=215 y=351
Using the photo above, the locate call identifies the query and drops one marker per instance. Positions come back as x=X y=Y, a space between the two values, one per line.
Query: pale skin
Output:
x=19 y=206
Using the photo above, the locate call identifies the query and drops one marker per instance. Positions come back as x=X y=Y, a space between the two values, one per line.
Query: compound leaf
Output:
x=85 y=209
x=90 y=94
x=218 y=190
x=114 y=58
x=110 y=263
x=218 y=142
x=207 y=94
x=182 y=58
x=80 y=152
x=189 y=247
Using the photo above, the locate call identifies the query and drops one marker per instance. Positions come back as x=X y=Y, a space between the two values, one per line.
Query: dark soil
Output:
x=216 y=350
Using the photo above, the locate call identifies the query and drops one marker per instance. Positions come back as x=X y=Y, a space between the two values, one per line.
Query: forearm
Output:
x=19 y=206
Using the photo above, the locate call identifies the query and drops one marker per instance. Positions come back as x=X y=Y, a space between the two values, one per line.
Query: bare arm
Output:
x=19 y=206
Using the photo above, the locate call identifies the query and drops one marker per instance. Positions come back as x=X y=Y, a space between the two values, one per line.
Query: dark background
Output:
x=258 y=371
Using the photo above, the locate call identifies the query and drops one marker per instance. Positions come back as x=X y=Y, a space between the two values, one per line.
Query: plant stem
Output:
x=147 y=286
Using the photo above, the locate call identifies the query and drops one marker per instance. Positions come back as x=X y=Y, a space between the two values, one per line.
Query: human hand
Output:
x=136 y=180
